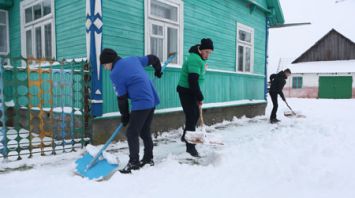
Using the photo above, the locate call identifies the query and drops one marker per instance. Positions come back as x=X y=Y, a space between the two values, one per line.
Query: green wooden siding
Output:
x=339 y=87
x=218 y=87
x=6 y=4
x=15 y=29
x=221 y=26
x=123 y=30
x=70 y=29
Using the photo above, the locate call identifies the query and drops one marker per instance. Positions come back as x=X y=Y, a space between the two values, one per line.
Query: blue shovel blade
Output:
x=99 y=171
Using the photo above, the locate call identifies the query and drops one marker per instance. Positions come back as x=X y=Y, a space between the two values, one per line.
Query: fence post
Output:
x=3 y=135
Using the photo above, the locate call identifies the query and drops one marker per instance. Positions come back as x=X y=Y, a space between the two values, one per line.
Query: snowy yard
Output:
x=311 y=157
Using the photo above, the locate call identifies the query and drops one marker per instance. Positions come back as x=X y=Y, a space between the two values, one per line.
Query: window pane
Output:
x=3 y=39
x=172 y=42
x=28 y=15
x=163 y=10
x=48 y=40
x=247 y=59
x=300 y=82
x=37 y=10
x=2 y=18
x=46 y=7
x=29 y=43
x=297 y=82
x=157 y=30
x=38 y=42
x=244 y=36
x=240 y=58
x=156 y=47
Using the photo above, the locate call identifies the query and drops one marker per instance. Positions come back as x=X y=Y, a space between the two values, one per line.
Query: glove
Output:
x=125 y=119
x=199 y=103
x=199 y=96
x=158 y=74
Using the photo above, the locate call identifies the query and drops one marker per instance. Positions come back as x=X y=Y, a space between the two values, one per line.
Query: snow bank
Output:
x=300 y=157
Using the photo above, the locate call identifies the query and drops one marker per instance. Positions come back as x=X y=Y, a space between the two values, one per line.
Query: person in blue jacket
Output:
x=130 y=81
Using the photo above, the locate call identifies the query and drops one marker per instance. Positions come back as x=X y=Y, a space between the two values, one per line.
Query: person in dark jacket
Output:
x=278 y=82
x=191 y=78
x=130 y=81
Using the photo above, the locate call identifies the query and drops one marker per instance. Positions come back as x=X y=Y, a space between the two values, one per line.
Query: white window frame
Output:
x=50 y=18
x=7 y=33
x=245 y=44
x=179 y=25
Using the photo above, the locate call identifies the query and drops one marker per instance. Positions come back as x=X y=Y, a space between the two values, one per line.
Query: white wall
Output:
x=312 y=80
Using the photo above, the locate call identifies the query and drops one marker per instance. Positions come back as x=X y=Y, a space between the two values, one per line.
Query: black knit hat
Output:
x=108 y=56
x=206 y=43
x=287 y=70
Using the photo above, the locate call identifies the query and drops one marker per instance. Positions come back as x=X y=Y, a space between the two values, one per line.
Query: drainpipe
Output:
x=266 y=55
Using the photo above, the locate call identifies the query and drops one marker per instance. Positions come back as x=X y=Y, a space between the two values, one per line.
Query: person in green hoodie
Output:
x=191 y=78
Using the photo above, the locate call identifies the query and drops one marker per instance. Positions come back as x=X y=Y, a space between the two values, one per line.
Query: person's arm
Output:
x=123 y=107
x=154 y=61
x=281 y=86
x=282 y=95
x=194 y=70
x=194 y=86
x=122 y=98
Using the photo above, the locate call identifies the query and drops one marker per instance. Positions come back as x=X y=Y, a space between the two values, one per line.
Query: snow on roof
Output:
x=343 y=66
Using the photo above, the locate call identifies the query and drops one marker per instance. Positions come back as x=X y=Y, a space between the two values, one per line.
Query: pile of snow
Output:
x=94 y=150
x=299 y=157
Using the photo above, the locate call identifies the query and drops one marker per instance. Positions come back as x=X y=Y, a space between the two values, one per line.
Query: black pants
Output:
x=275 y=105
x=191 y=110
x=139 y=126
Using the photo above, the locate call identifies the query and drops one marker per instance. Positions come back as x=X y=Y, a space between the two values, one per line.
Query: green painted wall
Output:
x=70 y=28
x=124 y=31
x=221 y=27
x=15 y=29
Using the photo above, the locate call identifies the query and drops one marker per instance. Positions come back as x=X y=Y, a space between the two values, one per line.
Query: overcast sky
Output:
x=291 y=42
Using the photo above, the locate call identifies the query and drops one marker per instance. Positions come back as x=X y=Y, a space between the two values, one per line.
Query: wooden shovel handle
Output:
x=202 y=122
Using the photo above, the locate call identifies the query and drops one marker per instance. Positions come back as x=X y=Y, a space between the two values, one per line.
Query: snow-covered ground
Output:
x=310 y=157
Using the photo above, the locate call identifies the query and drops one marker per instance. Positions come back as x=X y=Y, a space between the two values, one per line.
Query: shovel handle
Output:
x=202 y=122
x=290 y=108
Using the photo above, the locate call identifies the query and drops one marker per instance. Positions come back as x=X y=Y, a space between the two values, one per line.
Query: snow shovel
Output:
x=202 y=137
x=292 y=113
x=94 y=168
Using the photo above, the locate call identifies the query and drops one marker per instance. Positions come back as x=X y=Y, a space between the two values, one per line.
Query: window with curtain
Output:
x=297 y=82
x=4 y=28
x=38 y=29
x=245 y=48
x=164 y=23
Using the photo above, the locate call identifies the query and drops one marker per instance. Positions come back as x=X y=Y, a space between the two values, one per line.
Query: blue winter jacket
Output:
x=129 y=77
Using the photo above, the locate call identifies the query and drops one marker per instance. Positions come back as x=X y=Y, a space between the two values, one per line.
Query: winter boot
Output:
x=191 y=149
x=183 y=136
x=274 y=120
x=129 y=167
x=146 y=161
